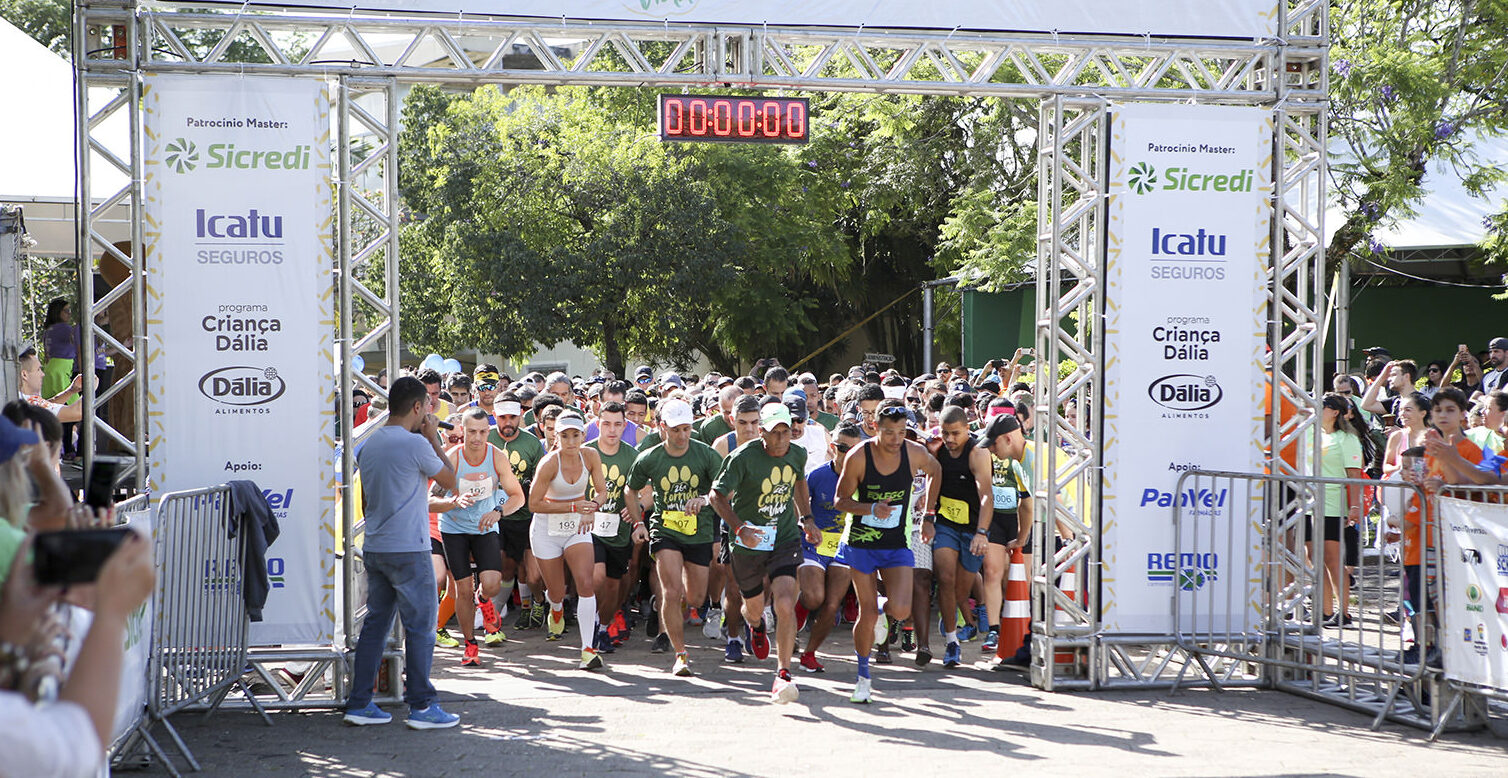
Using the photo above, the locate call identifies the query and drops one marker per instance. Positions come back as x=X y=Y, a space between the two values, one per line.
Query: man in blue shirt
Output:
x=396 y=465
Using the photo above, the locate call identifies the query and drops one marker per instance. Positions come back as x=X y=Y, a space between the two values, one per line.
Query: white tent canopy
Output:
x=38 y=171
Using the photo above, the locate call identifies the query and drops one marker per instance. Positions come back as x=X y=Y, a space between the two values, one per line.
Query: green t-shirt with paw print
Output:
x=676 y=480
x=763 y=488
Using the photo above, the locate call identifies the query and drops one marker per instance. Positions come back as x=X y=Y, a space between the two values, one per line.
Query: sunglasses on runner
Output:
x=842 y=448
x=894 y=412
x=486 y=387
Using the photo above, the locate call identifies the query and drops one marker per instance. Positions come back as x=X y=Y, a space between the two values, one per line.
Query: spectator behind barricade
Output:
x=1345 y=449
x=68 y=738
x=41 y=421
x=1471 y=371
x=27 y=469
x=1434 y=377
x=1494 y=409
x=382 y=378
x=1413 y=421
x=1497 y=355
x=1398 y=378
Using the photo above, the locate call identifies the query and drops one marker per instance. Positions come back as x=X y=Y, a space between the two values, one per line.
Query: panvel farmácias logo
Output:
x=183 y=156
x=1144 y=178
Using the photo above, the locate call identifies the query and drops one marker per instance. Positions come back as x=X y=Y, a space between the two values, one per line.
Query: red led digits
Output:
x=718 y=119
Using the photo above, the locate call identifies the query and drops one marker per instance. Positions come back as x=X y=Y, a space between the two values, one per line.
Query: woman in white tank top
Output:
x=560 y=534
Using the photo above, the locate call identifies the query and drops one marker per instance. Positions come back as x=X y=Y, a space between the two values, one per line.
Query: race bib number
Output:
x=889 y=522
x=679 y=521
x=606 y=525
x=1006 y=498
x=956 y=511
x=562 y=524
x=766 y=541
x=478 y=485
x=829 y=545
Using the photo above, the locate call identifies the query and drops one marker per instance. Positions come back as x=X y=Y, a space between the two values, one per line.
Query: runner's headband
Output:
x=569 y=421
x=509 y=409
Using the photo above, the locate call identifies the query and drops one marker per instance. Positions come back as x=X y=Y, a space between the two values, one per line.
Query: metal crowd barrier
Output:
x=199 y=633
x=1473 y=703
x=1270 y=617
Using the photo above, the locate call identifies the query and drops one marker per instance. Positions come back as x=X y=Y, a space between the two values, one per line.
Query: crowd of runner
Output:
x=761 y=509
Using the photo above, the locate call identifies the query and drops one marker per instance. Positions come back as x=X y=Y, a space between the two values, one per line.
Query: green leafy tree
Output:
x=1414 y=83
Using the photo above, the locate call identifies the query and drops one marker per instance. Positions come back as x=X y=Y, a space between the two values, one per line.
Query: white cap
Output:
x=570 y=421
x=674 y=413
x=508 y=409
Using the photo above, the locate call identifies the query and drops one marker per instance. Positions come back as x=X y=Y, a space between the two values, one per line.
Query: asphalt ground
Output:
x=529 y=711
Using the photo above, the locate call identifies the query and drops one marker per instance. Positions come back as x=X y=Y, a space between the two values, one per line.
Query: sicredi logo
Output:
x=183 y=157
x=1144 y=178
x=242 y=385
x=1184 y=392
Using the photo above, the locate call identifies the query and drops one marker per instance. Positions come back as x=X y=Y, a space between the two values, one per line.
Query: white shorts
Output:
x=921 y=553
x=547 y=546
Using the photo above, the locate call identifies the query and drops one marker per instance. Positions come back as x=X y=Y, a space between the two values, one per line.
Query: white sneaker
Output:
x=712 y=624
x=881 y=629
x=861 y=691
x=784 y=691
x=769 y=619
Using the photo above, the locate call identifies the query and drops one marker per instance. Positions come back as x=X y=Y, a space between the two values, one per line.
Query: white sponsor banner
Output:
x=1185 y=312
x=240 y=316
x=1198 y=18
x=1474 y=611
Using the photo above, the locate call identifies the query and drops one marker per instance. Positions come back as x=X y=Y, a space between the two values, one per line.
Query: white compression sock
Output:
x=586 y=619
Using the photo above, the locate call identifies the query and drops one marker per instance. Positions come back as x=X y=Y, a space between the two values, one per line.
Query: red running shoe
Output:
x=490 y=622
x=810 y=664
x=761 y=642
x=471 y=658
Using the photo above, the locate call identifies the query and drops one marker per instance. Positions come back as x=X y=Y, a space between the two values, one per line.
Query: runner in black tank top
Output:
x=962 y=525
x=893 y=488
x=958 y=484
x=876 y=543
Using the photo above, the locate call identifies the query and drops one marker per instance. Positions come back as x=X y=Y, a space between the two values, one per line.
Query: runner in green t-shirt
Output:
x=524 y=452
x=759 y=494
x=719 y=423
x=675 y=477
x=612 y=532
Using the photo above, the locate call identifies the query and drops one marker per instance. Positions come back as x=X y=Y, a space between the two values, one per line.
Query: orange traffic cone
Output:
x=1068 y=582
x=1016 y=621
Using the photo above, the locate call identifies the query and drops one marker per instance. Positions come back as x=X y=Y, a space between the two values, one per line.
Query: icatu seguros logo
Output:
x=242 y=385
x=1185 y=392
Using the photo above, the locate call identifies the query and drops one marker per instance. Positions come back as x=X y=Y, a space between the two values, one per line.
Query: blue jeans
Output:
x=405 y=582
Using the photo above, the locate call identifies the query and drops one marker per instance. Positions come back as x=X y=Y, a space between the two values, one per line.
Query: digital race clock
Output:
x=734 y=119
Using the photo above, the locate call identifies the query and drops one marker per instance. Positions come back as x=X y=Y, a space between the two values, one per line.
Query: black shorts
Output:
x=464 y=551
x=615 y=557
x=750 y=568
x=436 y=548
x=1333 y=526
x=1004 y=528
x=691 y=553
x=515 y=538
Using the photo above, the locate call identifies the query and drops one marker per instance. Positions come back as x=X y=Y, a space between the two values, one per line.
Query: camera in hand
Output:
x=74 y=556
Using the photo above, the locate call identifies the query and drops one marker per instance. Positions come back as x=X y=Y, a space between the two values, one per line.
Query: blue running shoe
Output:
x=367 y=716
x=966 y=633
x=734 y=653
x=952 y=655
x=432 y=718
x=981 y=619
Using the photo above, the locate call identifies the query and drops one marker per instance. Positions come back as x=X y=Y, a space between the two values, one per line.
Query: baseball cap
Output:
x=1000 y=425
x=674 y=413
x=1501 y=343
x=1376 y=351
x=12 y=438
x=794 y=393
x=570 y=421
x=962 y=386
x=773 y=415
x=673 y=379
x=808 y=378
x=485 y=378
x=797 y=407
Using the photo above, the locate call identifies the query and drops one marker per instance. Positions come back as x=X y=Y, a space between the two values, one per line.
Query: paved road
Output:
x=530 y=712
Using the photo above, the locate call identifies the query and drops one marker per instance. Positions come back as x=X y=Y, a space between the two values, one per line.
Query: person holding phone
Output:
x=396 y=465
x=68 y=737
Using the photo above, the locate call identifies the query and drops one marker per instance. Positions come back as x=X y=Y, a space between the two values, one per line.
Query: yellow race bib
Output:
x=829 y=545
x=956 y=511
x=679 y=521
